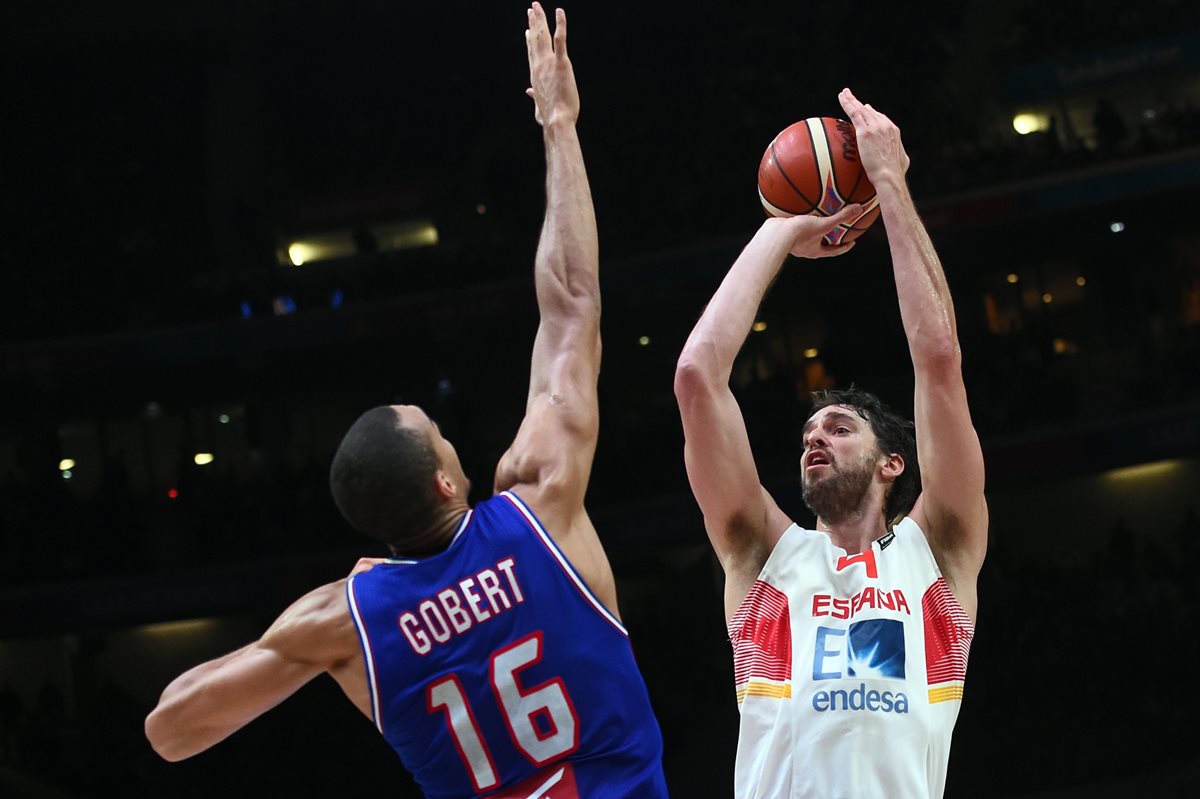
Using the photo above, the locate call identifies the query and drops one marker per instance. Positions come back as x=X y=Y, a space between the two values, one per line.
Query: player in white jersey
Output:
x=850 y=641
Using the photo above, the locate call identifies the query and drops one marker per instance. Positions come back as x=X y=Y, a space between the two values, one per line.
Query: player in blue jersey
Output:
x=489 y=651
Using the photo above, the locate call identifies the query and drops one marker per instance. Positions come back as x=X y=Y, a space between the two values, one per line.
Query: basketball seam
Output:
x=803 y=196
x=823 y=176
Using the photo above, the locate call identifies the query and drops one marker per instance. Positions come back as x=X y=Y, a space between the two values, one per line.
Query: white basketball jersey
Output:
x=849 y=671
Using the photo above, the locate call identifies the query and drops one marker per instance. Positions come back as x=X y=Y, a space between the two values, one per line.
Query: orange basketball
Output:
x=812 y=167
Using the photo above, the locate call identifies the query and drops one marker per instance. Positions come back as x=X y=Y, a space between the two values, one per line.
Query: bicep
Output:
x=739 y=514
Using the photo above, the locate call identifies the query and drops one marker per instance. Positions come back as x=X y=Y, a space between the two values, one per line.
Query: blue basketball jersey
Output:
x=494 y=671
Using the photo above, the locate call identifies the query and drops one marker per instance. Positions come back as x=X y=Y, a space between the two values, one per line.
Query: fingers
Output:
x=560 y=32
x=831 y=250
x=861 y=114
x=538 y=35
x=850 y=104
x=539 y=29
x=844 y=215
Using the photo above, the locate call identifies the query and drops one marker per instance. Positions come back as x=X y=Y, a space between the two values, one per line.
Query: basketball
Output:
x=812 y=167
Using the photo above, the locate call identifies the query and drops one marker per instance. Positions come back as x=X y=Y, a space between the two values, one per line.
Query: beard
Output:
x=840 y=495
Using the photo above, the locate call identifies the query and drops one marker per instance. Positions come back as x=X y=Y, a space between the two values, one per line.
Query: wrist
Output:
x=890 y=184
x=559 y=122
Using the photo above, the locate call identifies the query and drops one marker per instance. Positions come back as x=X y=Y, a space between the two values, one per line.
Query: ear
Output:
x=893 y=467
x=444 y=485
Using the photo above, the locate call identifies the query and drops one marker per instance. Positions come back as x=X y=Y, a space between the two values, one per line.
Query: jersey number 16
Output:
x=520 y=705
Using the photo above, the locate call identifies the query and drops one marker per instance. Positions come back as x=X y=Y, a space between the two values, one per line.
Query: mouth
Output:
x=816 y=458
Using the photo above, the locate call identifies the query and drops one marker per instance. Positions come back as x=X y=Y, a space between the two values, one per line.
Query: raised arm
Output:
x=951 y=509
x=742 y=520
x=550 y=460
x=208 y=703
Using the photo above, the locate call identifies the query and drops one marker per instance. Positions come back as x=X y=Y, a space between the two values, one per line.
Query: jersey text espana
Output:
x=849 y=670
x=495 y=672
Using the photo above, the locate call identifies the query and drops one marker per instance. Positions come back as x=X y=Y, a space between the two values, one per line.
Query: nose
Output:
x=816 y=438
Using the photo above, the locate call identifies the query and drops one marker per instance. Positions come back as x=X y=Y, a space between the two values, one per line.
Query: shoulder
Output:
x=323 y=603
x=318 y=627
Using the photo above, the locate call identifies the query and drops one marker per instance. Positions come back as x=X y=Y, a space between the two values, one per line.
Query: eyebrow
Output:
x=841 y=415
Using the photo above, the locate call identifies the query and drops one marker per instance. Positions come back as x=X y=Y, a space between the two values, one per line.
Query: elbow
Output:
x=692 y=375
x=165 y=745
x=939 y=355
x=698 y=383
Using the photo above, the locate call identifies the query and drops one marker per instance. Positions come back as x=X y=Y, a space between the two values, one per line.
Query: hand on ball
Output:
x=806 y=233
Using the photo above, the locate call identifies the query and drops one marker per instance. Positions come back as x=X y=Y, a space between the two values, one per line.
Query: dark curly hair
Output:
x=382 y=478
x=895 y=435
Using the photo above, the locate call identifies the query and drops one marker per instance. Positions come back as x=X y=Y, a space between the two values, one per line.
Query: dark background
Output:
x=161 y=158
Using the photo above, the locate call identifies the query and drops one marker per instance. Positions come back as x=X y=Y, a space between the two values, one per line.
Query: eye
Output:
x=842 y=429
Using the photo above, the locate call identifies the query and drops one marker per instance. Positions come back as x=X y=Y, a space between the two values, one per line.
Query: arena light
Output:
x=203 y=458
x=1031 y=122
x=320 y=248
x=644 y=341
x=759 y=327
x=66 y=464
x=1145 y=471
x=172 y=629
x=1064 y=347
x=349 y=242
x=407 y=235
x=811 y=352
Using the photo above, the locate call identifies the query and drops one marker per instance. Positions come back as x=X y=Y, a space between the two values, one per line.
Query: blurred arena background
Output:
x=228 y=228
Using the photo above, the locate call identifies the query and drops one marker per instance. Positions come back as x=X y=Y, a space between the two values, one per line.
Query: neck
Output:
x=436 y=536
x=854 y=533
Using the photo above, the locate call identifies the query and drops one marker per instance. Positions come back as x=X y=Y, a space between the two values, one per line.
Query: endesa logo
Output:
x=871 y=649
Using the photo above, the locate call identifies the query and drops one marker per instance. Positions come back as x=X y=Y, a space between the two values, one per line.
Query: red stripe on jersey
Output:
x=556 y=782
x=761 y=634
x=948 y=633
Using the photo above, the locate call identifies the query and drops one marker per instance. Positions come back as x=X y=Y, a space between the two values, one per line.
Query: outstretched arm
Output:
x=210 y=702
x=742 y=520
x=951 y=509
x=550 y=460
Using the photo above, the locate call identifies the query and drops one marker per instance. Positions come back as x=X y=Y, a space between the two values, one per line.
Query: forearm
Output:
x=170 y=728
x=722 y=329
x=926 y=307
x=210 y=702
x=568 y=259
x=187 y=682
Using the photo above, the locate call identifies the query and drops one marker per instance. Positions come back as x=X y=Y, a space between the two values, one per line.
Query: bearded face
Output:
x=837 y=491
